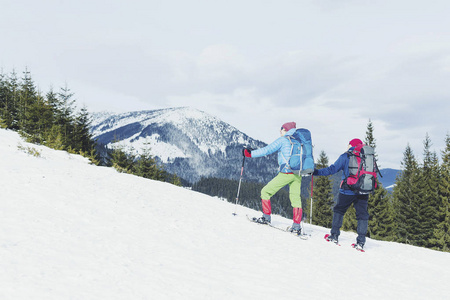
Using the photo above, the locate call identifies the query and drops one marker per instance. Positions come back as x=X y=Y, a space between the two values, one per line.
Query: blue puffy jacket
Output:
x=340 y=164
x=289 y=158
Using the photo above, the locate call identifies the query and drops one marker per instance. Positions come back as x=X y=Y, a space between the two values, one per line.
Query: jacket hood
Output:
x=291 y=131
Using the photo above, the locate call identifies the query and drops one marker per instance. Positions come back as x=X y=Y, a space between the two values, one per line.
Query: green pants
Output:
x=281 y=180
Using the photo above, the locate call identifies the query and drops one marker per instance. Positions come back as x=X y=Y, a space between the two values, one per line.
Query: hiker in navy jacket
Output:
x=346 y=198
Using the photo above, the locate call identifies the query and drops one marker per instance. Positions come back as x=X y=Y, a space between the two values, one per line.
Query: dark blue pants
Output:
x=362 y=215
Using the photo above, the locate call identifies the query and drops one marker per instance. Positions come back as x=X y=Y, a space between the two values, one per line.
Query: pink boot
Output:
x=297 y=217
x=267 y=209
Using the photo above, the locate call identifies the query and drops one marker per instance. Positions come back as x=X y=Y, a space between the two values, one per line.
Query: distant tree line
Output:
x=143 y=165
x=421 y=199
x=248 y=196
x=50 y=119
x=53 y=120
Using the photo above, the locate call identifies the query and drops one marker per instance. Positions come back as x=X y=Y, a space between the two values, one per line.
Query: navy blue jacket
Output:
x=340 y=164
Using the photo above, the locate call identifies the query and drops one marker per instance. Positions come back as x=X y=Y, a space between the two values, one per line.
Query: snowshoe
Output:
x=359 y=247
x=295 y=229
x=331 y=238
x=261 y=220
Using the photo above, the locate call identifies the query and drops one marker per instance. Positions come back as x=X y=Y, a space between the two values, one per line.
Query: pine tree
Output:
x=175 y=180
x=3 y=123
x=55 y=104
x=122 y=161
x=27 y=97
x=323 y=196
x=370 y=139
x=146 y=166
x=64 y=114
x=82 y=138
x=12 y=101
x=381 y=220
x=39 y=118
x=54 y=138
x=428 y=205
x=3 y=101
x=441 y=236
x=406 y=194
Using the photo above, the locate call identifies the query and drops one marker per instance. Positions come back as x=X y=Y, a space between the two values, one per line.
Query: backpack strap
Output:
x=352 y=153
x=290 y=154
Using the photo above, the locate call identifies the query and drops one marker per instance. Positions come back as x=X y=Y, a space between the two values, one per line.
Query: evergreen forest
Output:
x=53 y=120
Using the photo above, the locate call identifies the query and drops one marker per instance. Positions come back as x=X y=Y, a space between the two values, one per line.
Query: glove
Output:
x=316 y=172
x=247 y=152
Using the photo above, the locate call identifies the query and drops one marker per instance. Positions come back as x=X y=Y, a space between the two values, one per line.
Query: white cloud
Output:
x=330 y=66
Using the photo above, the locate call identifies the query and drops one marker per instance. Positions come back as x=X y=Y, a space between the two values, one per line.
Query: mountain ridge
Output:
x=191 y=143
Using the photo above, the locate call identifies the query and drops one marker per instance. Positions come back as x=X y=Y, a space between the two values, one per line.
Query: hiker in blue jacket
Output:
x=346 y=198
x=289 y=161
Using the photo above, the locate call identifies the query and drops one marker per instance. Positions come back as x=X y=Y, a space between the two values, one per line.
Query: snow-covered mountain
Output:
x=389 y=178
x=189 y=142
x=70 y=230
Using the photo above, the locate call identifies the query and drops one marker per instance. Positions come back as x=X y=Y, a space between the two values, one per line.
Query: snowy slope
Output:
x=70 y=230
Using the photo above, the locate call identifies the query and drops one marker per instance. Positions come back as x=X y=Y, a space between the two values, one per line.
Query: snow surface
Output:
x=70 y=230
x=137 y=145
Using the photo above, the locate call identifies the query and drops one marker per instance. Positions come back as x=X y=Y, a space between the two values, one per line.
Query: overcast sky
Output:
x=329 y=65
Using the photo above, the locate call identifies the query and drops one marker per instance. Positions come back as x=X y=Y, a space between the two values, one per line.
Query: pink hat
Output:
x=355 y=142
x=288 y=126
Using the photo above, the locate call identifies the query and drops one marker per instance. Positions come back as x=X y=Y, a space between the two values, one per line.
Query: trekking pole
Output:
x=239 y=186
x=312 y=187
